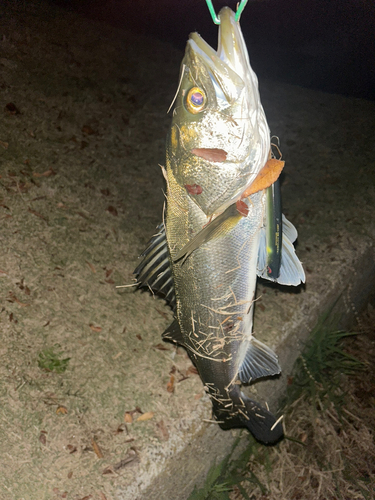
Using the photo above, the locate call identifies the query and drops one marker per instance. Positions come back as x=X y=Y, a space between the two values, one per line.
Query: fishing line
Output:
x=216 y=19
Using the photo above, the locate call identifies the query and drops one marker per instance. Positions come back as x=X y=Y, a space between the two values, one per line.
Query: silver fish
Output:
x=214 y=241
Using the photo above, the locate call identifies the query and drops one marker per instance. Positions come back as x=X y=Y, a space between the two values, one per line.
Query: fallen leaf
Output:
x=91 y=266
x=96 y=448
x=94 y=328
x=160 y=347
x=170 y=385
x=146 y=416
x=266 y=177
x=162 y=313
x=117 y=355
x=37 y=214
x=163 y=431
x=4 y=144
x=192 y=370
x=86 y=129
x=11 y=109
x=62 y=409
x=112 y=210
x=47 y=173
x=128 y=417
x=13 y=298
x=42 y=438
x=132 y=455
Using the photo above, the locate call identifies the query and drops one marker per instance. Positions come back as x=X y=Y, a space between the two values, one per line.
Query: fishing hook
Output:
x=216 y=20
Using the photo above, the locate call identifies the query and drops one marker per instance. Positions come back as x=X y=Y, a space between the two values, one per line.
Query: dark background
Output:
x=321 y=44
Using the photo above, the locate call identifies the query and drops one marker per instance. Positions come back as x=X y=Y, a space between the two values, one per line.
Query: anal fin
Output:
x=259 y=361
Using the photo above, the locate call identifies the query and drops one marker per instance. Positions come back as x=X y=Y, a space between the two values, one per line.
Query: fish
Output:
x=222 y=227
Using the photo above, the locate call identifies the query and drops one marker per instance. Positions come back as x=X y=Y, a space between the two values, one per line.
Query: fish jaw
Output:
x=231 y=120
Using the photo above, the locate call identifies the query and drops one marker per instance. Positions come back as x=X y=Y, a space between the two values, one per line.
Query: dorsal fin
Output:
x=155 y=272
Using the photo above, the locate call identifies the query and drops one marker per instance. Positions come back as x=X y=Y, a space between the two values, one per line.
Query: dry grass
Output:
x=335 y=455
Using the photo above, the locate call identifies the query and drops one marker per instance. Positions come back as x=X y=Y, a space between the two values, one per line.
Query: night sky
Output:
x=320 y=44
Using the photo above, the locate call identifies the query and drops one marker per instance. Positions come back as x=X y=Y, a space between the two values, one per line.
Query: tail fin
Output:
x=260 y=422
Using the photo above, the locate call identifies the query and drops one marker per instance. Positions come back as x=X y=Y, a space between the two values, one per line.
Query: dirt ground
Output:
x=82 y=130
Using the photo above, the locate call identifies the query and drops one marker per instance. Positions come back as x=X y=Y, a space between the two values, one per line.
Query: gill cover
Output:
x=217 y=109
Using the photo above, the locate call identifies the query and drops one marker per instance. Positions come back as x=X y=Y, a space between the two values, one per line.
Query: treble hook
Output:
x=216 y=20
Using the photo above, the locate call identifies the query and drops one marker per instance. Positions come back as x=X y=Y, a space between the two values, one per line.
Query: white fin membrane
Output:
x=291 y=270
x=260 y=361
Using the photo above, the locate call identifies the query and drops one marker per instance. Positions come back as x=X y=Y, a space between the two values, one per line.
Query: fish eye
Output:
x=195 y=100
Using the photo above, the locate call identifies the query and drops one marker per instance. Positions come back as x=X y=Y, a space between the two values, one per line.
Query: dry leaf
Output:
x=13 y=298
x=162 y=313
x=112 y=210
x=91 y=266
x=94 y=328
x=160 y=347
x=62 y=409
x=37 y=214
x=11 y=109
x=128 y=417
x=192 y=370
x=266 y=177
x=96 y=448
x=146 y=416
x=131 y=456
x=42 y=438
x=170 y=385
x=163 y=431
x=4 y=144
x=47 y=173
x=86 y=129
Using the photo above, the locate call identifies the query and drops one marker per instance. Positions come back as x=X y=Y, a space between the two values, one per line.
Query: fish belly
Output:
x=214 y=286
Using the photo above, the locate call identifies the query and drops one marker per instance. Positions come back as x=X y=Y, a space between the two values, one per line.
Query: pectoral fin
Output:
x=217 y=228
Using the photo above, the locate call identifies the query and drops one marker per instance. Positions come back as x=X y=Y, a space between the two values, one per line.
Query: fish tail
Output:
x=259 y=421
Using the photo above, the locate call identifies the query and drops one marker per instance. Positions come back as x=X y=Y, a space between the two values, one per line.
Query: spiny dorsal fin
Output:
x=155 y=271
x=259 y=361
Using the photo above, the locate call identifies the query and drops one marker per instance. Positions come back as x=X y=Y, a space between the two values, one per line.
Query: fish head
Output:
x=219 y=137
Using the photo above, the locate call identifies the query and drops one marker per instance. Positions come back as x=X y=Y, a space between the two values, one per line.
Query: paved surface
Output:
x=82 y=130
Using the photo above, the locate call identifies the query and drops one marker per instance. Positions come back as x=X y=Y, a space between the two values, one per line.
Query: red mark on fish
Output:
x=193 y=189
x=242 y=208
x=210 y=154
